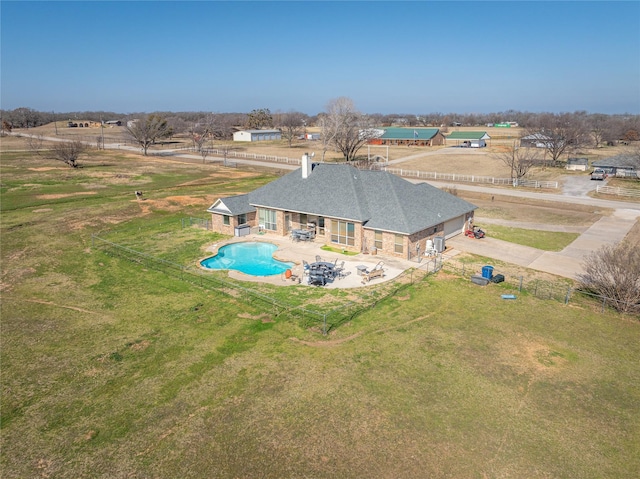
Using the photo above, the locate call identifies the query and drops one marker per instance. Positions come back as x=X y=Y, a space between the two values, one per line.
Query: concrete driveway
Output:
x=568 y=263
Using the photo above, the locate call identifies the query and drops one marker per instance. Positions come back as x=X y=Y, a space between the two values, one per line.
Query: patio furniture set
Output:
x=322 y=272
x=302 y=235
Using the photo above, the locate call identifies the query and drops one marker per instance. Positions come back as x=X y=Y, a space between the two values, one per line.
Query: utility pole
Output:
x=55 y=123
x=102 y=131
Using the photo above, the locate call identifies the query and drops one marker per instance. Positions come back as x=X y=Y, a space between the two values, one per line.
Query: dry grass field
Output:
x=441 y=159
x=112 y=369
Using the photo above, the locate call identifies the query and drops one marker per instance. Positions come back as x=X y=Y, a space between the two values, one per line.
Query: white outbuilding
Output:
x=257 y=135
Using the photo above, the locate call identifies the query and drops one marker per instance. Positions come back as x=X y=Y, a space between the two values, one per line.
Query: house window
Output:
x=226 y=220
x=268 y=219
x=377 y=240
x=398 y=245
x=242 y=219
x=343 y=232
x=321 y=225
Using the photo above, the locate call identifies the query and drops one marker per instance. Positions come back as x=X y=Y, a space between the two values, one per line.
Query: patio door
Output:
x=287 y=222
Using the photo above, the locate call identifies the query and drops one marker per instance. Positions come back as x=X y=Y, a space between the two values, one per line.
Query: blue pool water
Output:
x=252 y=258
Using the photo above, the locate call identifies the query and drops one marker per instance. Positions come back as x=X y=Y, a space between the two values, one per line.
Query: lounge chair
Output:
x=376 y=272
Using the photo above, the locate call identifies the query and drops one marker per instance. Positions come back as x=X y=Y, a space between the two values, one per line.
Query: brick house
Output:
x=357 y=210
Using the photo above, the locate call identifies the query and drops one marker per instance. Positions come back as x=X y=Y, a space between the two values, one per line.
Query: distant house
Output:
x=536 y=140
x=577 y=164
x=620 y=165
x=257 y=135
x=409 y=136
x=355 y=210
x=471 y=139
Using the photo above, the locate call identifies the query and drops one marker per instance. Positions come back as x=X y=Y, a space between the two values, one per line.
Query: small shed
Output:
x=471 y=139
x=577 y=164
x=257 y=135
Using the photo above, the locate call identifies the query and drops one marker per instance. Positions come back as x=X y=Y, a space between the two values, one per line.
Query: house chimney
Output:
x=306 y=165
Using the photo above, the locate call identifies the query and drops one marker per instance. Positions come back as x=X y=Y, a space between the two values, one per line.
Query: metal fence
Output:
x=199 y=222
x=561 y=291
x=325 y=320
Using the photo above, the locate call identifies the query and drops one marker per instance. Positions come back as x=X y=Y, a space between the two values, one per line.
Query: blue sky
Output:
x=389 y=57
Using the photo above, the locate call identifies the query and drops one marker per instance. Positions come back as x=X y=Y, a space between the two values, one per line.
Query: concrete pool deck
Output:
x=297 y=251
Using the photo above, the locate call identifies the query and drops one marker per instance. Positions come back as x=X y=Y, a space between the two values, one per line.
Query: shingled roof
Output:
x=468 y=135
x=232 y=206
x=377 y=199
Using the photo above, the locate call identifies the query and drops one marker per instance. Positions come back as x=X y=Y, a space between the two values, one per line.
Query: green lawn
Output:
x=544 y=240
x=112 y=369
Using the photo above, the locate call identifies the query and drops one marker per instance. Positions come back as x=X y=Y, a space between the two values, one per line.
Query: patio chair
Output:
x=318 y=259
x=373 y=274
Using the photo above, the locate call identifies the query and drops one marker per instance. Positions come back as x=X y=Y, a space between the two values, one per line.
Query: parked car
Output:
x=598 y=174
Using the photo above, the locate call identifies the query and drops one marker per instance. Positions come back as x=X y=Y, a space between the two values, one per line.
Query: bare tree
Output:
x=614 y=272
x=560 y=133
x=147 y=130
x=34 y=143
x=260 y=118
x=518 y=160
x=345 y=128
x=602 y=131
x=6 y=127
x=199 y=134
x=291 y=124
x=67 y=152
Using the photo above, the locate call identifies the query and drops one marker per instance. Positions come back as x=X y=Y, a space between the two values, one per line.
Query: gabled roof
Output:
x=577 y=161
x=469 y=135
x=409 y=133
x=232 y=206
x=536 y=136
x=377 y=199
x=618 y=161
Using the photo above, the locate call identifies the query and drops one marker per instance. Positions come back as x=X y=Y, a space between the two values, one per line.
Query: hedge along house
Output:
x=471 y=139
x=356 y=210
x=410 y=137
x=257 y=135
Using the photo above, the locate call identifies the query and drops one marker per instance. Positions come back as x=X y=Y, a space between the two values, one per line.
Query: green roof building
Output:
x=410 y=136
x=469 y=139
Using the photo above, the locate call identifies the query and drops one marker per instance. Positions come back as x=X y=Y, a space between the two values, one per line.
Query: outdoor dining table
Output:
x=321 y=271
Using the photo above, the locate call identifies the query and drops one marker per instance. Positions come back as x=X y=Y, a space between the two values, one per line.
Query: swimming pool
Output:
x=254 y=258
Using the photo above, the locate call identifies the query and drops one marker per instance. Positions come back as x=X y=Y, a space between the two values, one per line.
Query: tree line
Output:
x=345 y=129
x=607 y=127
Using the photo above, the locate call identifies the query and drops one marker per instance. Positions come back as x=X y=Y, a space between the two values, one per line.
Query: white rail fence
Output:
x=425 y=175
x=613 y=190
x=254 y=156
